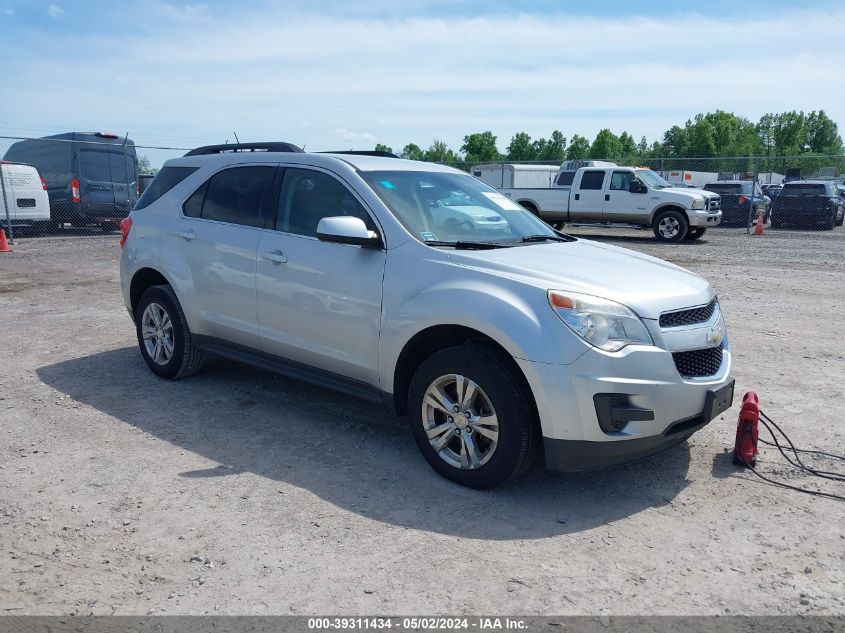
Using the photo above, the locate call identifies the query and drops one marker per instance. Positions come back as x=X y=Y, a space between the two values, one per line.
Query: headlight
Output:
x=605 y=324
x=697 y=204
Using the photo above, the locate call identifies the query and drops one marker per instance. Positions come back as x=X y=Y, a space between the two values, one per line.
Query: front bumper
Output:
x=703 y=218
x=646 y=377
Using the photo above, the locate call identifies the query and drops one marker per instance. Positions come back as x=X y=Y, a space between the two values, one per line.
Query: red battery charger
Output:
x=747 y=431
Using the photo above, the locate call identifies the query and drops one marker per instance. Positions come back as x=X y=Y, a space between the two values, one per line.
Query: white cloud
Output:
x=317 y=77
x=348 y=135
x=55 y=11
x=9 y=11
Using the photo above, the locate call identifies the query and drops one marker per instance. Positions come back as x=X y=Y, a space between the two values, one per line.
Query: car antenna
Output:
x=237 y=140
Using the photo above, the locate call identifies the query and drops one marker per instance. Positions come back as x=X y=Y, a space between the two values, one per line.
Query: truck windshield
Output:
x=440 y=208
x=652 y=179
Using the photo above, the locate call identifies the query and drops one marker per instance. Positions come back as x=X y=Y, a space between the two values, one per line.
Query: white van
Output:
x=26 y=196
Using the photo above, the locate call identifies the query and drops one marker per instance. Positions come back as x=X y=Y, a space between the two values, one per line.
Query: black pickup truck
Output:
x=806 y=203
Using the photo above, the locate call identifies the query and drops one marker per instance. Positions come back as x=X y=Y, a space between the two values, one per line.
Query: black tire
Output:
x=186 y=358
x=831 y=222
x=694 y=234
x=518 y=439
x=674 y=216
x=841 y=220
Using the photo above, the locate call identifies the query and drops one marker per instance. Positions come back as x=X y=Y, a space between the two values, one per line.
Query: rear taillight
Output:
x=74 y=191
x=743 y=199
x=125 y=227
x=43 y=183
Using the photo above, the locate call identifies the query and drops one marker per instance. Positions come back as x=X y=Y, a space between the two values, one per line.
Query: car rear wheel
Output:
x=694 y=234
x=163 y=335
x=471 y=418
x=670 y=226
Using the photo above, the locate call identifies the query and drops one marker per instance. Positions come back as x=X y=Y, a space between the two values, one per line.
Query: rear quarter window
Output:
x=166 y=179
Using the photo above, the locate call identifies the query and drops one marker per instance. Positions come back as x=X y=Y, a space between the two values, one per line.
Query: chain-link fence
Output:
x=95 y=179
x=800 y=192
x=74 y=179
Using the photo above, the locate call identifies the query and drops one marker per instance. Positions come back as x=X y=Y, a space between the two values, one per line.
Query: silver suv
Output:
x=418 y=286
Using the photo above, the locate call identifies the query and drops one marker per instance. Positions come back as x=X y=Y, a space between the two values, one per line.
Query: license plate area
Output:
x=718 y=400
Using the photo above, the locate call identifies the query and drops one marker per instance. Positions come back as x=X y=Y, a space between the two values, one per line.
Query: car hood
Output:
x=688 y=191
x=647 y=285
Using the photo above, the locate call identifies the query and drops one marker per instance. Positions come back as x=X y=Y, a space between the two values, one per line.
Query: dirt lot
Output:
x=241 y=492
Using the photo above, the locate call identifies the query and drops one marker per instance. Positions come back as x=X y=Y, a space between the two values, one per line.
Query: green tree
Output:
x=480 y=147
x=144 y=166
x=439 y=152
x=766 y=135
x=521 y=148
x=627 y=146
x=789 y=133
x=383 y=148
x=605 y=145
x=412 y=151
x=579 y=147
x=822 y=134
x=553 y=149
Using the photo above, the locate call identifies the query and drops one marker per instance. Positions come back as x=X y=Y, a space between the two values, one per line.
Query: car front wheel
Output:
x=163 y=335
x=471 y=417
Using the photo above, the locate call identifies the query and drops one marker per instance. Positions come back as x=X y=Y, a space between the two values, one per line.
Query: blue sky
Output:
x=338 y=74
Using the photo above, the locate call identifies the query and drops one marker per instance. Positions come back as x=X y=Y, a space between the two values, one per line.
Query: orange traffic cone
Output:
x=4 y=243
x=758 y=230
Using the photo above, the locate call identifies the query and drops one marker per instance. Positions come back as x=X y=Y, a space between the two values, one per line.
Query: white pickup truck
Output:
x=604 y=194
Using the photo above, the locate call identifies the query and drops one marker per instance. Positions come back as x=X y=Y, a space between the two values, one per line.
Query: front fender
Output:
x=423 y=292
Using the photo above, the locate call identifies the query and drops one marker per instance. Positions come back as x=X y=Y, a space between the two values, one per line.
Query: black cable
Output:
x=824 y=474
x=780 y=484
x=804 y=450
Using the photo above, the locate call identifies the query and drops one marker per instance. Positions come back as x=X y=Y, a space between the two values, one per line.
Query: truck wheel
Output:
x=831 y=222
x=694 y=234
x=670 y=226
x=471 y=418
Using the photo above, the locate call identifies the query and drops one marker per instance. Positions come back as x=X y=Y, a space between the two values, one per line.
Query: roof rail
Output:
x=364 y=152
x=244 y=147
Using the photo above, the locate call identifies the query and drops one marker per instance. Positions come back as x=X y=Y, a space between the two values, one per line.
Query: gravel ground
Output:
x=239 y=492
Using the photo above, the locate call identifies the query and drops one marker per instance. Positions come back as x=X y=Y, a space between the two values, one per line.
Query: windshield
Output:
x=445 y=207
x=652 y=179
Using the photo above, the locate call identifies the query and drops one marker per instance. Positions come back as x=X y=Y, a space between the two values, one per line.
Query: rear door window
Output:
x=166 y=179
x=235 y=195
x=592 y=180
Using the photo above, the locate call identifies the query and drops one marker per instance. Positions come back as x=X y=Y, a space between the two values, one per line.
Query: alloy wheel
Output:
x=157 y=333
x=460 y=421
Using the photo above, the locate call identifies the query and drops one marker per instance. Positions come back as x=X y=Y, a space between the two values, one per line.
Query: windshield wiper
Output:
x=464 y=245
x=544 y=238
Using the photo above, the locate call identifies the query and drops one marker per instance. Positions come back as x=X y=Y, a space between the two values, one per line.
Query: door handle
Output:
x=577 y=196
x=277 y=257
x=187 y=235
x=607 y=197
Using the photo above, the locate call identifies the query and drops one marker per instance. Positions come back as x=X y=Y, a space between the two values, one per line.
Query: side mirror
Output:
x=345 y=229
x=636 y=187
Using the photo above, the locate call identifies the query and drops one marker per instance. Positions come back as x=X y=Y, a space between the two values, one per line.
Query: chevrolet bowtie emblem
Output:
x=714 y=336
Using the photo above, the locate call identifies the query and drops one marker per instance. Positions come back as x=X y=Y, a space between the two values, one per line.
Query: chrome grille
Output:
x=714 y=204
x=699 y=363
x=690 y=316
